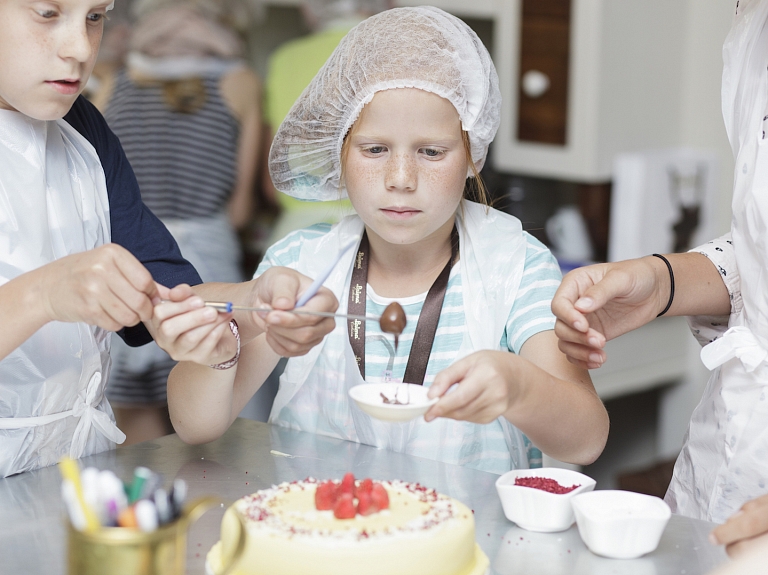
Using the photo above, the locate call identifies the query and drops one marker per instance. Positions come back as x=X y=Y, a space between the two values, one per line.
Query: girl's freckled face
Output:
x=406 y=165
x=47 y=49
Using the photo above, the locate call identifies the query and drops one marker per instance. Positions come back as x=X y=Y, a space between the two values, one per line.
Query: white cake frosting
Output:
x=421 y=532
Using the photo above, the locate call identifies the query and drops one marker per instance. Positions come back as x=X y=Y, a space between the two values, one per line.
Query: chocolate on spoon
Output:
x=393 y=320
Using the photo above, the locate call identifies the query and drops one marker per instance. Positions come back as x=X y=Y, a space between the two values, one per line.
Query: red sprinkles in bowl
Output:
x=545 y=484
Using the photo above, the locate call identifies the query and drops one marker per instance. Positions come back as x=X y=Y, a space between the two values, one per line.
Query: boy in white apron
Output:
x=80 y=255
x=66 y=192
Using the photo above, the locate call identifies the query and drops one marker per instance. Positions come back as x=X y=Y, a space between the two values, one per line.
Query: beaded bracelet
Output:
x=230 y=363
x=671 y=283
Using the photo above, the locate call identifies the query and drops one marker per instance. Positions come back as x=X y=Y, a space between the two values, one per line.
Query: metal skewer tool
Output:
x=228 y=307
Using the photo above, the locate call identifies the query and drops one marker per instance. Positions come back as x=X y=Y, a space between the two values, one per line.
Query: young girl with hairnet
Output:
x=722 y=471
x=399 y=120
x=80 y=255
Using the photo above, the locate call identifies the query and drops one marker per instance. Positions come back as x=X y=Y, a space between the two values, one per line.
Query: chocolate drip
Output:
x=393 y=320
x=394 y=401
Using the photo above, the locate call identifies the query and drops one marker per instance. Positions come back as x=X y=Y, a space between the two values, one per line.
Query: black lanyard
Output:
x=426 y=327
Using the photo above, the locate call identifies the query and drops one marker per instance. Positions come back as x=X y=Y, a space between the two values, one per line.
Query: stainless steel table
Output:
x=32 y=532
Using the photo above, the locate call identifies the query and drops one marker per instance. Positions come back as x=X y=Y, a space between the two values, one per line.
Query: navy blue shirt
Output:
x=133 y=226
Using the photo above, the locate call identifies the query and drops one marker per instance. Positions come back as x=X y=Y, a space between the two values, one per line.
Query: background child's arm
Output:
x=106 y=286
x=203 y=401
x=241 y=91
x=550 y=400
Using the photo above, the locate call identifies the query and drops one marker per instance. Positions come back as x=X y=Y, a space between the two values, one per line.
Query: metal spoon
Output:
x=228 y=307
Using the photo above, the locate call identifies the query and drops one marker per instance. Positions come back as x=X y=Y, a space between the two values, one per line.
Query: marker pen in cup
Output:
x=163 y=506
x=153 y=482
x=74 y=511
x=89 y=480
x=146 y=515
x=70 y=471
x=140 y=476
x=178 y=496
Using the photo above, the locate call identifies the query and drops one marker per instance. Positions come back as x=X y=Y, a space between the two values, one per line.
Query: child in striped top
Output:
x=406 y=137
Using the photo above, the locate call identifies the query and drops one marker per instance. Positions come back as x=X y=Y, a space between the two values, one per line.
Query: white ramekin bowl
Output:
x=537 y=510
x=620 y=524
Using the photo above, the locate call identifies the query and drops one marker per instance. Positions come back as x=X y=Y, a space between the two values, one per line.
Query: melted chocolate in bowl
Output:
x=393 y=320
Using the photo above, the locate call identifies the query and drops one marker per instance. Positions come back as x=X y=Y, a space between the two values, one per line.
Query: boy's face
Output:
x=47 y=52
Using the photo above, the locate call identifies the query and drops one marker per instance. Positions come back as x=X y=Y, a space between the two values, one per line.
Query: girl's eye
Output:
x=375 y=149
x=47 y=13
x=95 y=18
x=433 y=153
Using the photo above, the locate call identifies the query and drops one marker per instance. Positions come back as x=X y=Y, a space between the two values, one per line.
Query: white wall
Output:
x=701 y=116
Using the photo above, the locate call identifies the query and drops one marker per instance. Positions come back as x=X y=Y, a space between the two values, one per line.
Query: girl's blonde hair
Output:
x=474 y=188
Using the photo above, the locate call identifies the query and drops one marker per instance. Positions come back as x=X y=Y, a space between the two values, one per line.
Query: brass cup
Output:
x=122 y=551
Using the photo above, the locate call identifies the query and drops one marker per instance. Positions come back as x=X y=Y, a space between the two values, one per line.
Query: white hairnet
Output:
x=423 y=48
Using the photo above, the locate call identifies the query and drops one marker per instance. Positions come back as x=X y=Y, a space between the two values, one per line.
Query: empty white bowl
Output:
x=620 y=524
x=368 y=397
x=538 y=510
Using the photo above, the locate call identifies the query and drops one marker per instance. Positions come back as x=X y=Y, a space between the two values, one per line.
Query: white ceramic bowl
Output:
x=620 y=524
x=537 y=510
x=368 y=398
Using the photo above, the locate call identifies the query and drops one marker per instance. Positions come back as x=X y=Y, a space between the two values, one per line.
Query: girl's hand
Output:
x=745 y=530
x=189 y=331
x=484 y=390
x=106 y=286
x=290 y=334
x=597 y=303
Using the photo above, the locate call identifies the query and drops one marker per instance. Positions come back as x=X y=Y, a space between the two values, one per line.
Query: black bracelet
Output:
x=671 y=283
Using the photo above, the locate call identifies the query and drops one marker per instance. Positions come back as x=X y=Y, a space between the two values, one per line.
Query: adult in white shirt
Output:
x=724 y=462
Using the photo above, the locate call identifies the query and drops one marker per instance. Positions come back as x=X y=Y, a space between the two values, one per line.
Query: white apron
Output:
x=313 y=393
x=724 y=462
x=53 y=203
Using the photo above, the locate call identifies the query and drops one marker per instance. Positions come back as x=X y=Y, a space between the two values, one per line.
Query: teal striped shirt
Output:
x=530 y=314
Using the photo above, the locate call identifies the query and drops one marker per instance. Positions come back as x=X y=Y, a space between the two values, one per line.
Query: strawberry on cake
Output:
x=350 y=527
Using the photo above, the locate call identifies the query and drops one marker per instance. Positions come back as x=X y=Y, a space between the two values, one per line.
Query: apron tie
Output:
x=85 y=409
x=738 y=342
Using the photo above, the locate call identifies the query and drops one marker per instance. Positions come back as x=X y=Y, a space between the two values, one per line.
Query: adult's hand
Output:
x=745 y=531
x=597 y=303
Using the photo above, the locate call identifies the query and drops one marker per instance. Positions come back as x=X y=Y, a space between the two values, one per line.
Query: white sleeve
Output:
x=707 y=328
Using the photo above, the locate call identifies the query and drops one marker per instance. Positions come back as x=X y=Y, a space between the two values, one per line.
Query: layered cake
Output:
x=350 y=527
